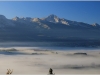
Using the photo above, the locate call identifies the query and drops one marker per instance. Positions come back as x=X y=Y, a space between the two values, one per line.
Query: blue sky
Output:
x=81 y=11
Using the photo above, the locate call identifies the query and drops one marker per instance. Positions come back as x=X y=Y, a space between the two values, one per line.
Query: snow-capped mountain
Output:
x=95 y=24
x=52 y=19
x=55 y=19
x=51 y=28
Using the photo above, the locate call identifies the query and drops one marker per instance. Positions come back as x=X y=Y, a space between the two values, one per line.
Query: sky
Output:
x=80 y=11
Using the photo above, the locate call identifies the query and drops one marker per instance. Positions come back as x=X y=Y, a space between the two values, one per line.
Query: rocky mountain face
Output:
x=49 y=29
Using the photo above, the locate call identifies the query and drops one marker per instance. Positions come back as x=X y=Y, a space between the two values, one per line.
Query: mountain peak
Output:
x=95 y=24
x=2 y=17
x=52 y=18
x=15 y=18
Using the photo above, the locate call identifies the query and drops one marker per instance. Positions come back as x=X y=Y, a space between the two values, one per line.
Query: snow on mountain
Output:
x=35 y=19
x=52 y=28
x=55 y=19
x=15 y=18
x=95 y=24
x=64 y=22
x=42 y=21
x=52 y=18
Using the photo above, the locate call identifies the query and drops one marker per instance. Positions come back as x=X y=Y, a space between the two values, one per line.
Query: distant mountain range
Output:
x=49 y=29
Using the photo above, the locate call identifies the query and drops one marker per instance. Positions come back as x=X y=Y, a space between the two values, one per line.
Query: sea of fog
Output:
x=26 y=58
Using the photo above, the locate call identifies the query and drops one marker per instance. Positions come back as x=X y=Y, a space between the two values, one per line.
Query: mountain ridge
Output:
x=49 y=29
x=53 y=16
